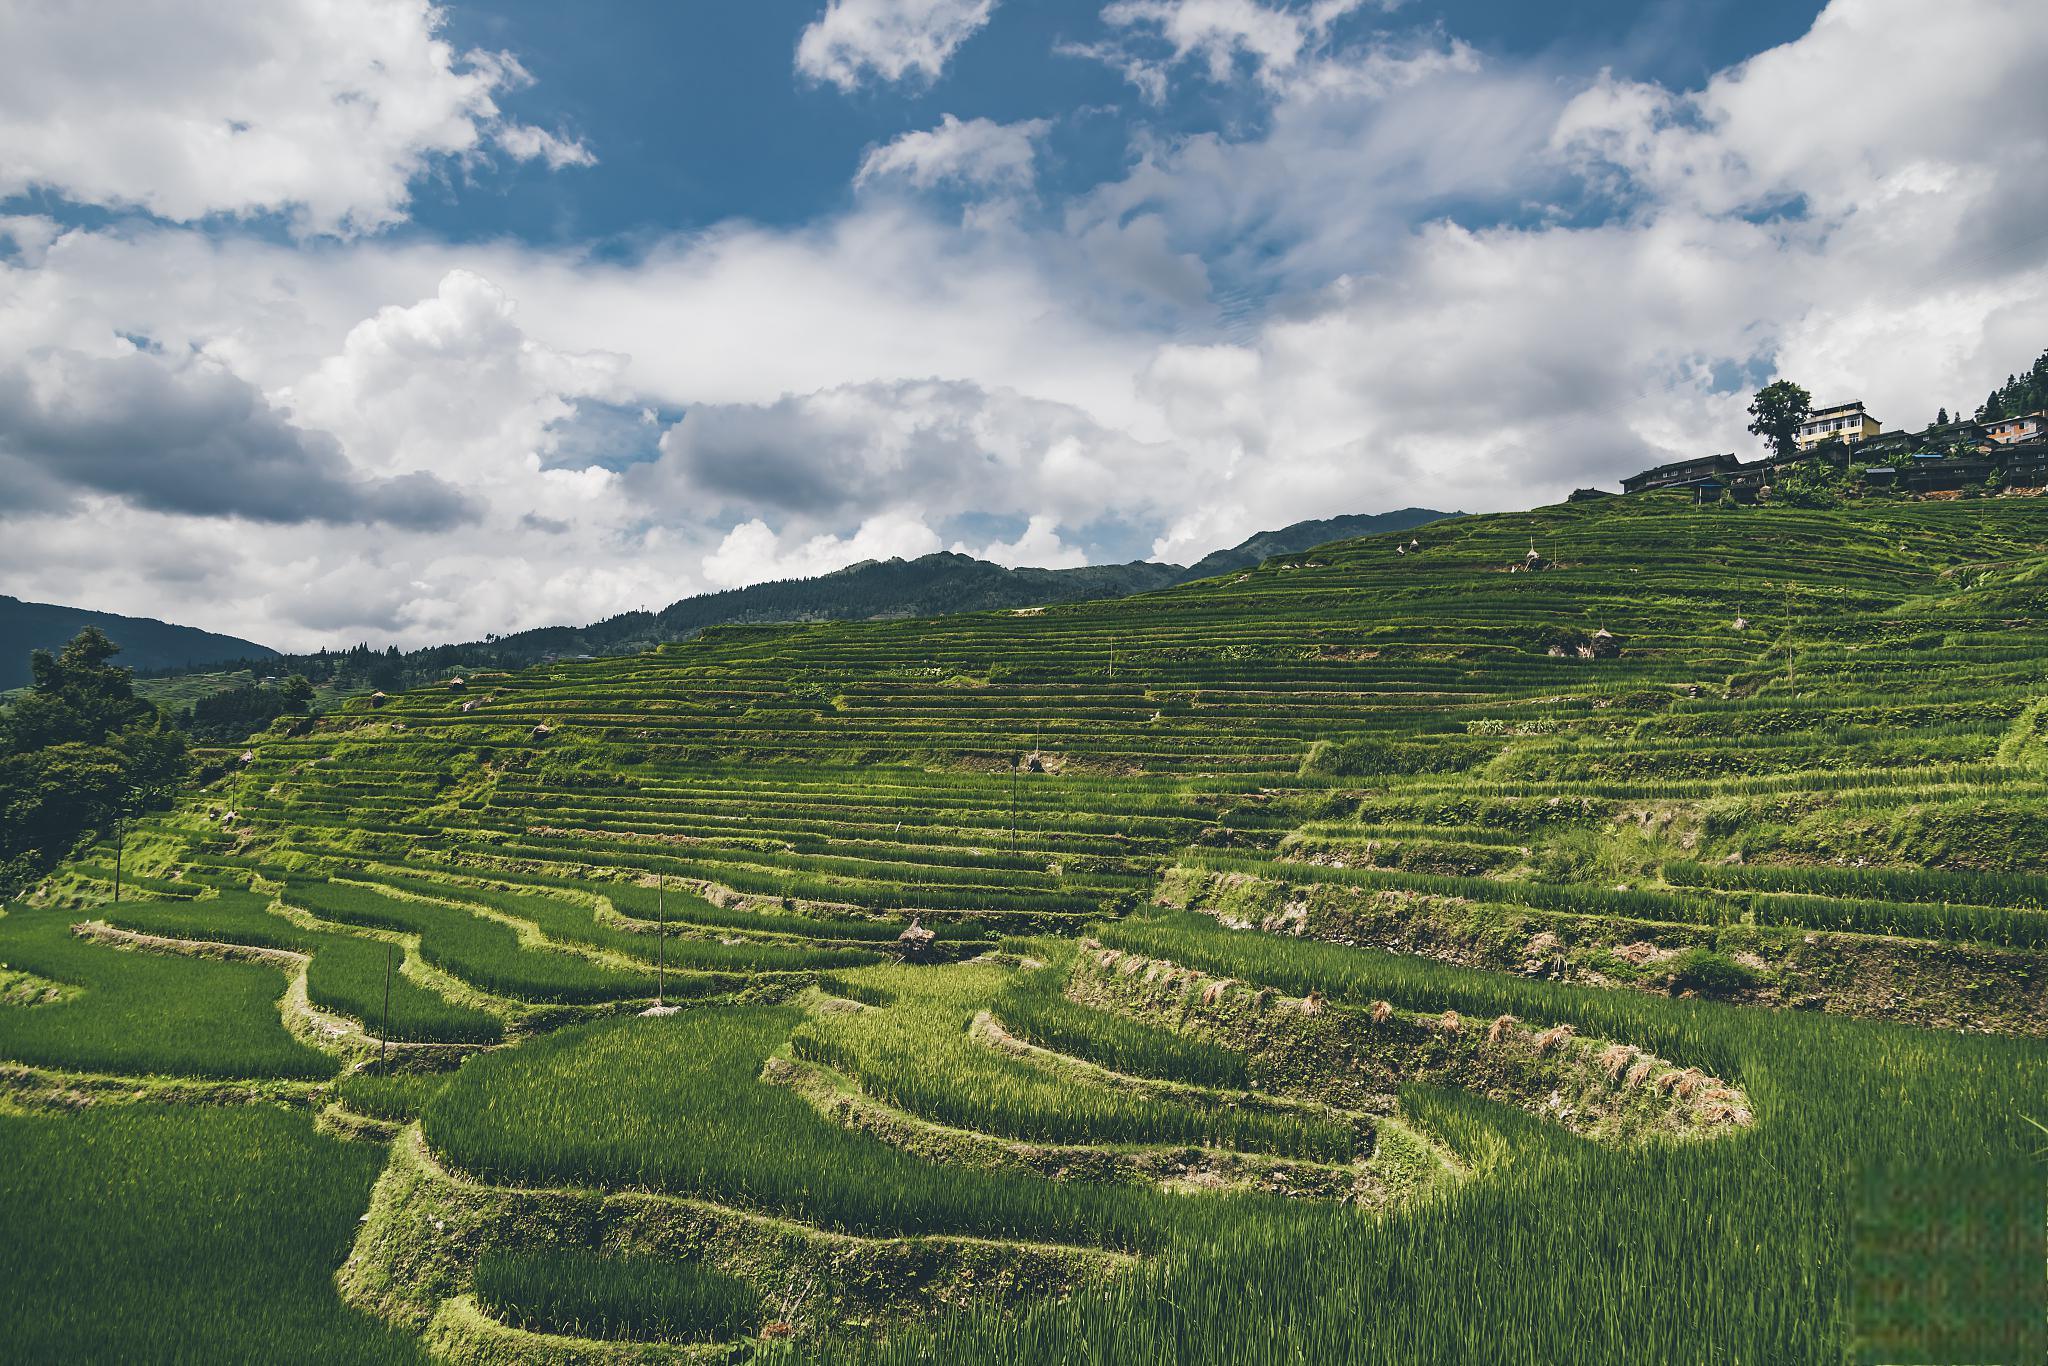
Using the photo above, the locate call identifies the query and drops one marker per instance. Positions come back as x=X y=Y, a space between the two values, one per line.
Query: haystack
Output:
x=915 y=943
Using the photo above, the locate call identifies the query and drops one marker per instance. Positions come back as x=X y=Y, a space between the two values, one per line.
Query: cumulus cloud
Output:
x=193 y=438
x=753 y=553
x=1038 y=546
x=950 y=446
x=527 y=143
x=1796 y=122
x=1273 y=41
x=452 y=383
x=1356 y=150
x=323 y=111
x=890 y=40
x=978 y=152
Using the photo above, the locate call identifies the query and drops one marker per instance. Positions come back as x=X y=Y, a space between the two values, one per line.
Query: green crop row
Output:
x=677 y=1105
x=1032 y=1006
x=916 y=1054
x=144 y=1012
x=346 y=973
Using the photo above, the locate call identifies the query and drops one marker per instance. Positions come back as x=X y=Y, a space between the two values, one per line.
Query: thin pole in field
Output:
x=120 y=848
x=660 y=931
x=384 y=1041
x=1789 y=680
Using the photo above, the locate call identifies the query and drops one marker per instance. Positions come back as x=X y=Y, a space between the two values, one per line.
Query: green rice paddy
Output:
x=1443 y=999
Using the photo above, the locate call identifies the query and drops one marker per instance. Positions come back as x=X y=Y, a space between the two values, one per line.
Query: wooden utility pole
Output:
x=660 y=932
x=1789 y=680
x=384 y=1040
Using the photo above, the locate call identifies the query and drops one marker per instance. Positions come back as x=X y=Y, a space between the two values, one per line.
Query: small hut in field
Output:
x=915 y=943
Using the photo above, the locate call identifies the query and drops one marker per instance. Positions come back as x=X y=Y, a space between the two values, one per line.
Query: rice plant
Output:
x=591 y=1295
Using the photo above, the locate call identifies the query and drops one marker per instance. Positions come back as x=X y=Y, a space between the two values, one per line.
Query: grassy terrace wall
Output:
x=1713 y=968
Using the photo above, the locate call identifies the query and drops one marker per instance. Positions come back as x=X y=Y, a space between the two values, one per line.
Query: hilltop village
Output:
x=1844 y=448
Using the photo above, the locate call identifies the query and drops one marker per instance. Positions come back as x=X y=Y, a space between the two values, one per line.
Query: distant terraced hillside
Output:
x=871 y=764
x=1611 y=933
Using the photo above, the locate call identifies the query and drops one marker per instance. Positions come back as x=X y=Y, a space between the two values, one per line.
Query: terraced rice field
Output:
x=1396 y=953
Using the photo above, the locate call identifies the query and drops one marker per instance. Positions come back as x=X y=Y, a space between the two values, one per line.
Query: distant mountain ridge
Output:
x=145 y=642
x=939 y=584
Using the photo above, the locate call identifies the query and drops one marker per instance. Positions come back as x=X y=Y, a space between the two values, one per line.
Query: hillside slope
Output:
x=1675 y=907
x=145 y=642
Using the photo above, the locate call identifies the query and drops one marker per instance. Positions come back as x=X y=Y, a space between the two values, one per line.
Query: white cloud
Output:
x=1274 y=40
x=1038 y=546
x=978 y=152
x=949 y=446
x=1802 y=120
x=890 y=39
x=752 y=553
x=324 y=111
x=1357 y=149
x=451 y=383
x=527 y=143
x=187 y=435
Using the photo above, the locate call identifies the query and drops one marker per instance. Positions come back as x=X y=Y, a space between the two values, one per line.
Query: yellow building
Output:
x=1845 y=422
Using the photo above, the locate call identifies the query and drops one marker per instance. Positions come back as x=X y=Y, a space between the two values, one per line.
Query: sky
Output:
x=325 y=321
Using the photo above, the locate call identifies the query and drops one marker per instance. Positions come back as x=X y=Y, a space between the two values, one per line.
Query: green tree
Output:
x=80 y=755
x=297 y=692
x=1775 y=414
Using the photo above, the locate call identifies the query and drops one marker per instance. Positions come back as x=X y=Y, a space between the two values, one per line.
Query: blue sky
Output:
x=698 y=118
x=405 y=322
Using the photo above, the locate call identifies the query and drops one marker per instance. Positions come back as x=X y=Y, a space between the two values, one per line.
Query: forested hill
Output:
x=145 y=642
x=931 y=585
x=1262 y=546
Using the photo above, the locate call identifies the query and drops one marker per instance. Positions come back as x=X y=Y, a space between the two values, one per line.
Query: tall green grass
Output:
x=145 y=1012
x=484 y=953
x=677 y=1105
x=182 y=1234
x=1033 y=1007
x=591 y=1295
x=347 y=974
